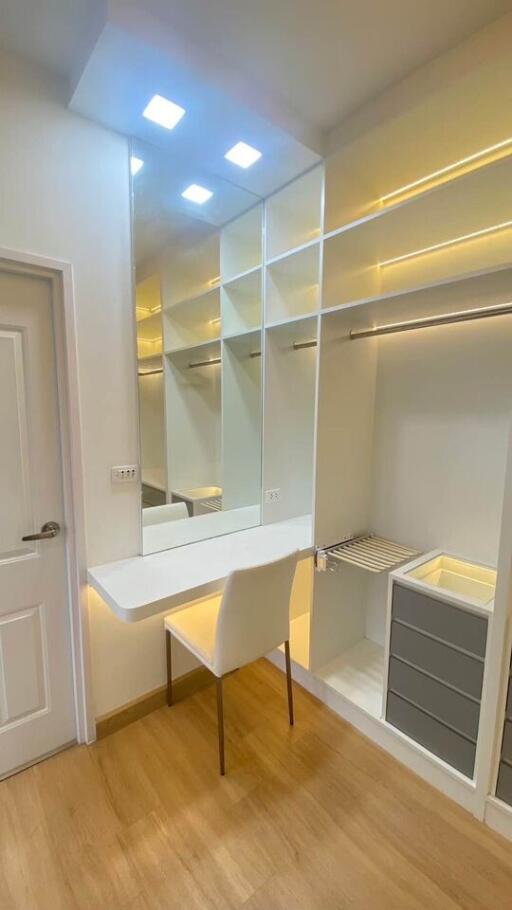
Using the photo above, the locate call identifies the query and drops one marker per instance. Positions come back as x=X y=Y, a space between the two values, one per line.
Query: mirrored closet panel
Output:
x=198 y=298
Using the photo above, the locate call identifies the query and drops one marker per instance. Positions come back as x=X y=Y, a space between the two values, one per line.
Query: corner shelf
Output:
x=192 y=321
x=241 y=303
x=461 y=226
x=293 y=214
x=293 y=285
x=241 y=243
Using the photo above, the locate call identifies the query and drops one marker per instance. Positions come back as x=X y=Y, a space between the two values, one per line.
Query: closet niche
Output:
x=409 y=387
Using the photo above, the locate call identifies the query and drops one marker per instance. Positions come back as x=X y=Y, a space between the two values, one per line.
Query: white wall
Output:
x=64 y=194
x=152 y=424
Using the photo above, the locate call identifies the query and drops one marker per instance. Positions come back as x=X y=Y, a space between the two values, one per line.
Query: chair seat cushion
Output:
x=195 y=626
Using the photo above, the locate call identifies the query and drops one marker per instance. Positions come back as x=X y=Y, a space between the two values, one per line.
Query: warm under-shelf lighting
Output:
x=215 y=321
x=444 y=171
x=502 y=309
x=214 y=281
x=445 y=244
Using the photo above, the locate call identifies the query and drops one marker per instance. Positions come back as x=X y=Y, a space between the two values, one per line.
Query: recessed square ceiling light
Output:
x=195 y=193
x=164 y=112
x=135 y=165
x=242 y=154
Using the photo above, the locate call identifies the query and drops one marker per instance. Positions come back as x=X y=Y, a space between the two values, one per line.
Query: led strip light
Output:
x=444 y=244
x=402 y=190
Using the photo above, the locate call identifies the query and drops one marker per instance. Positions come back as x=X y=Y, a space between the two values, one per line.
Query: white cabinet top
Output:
x=145 y=585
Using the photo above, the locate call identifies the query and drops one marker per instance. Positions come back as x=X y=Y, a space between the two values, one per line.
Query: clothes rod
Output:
x=204 y=363
x=300 y=345
x=427 y=322
x=150 y=372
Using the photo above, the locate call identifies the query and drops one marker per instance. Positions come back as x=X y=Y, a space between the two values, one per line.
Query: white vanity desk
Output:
x=145 y=585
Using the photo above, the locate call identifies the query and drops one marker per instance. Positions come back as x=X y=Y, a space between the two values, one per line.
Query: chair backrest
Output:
x=254 y=616
x=157 y=515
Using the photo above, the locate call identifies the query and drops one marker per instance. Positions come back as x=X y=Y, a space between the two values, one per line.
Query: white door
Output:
x=36 y=680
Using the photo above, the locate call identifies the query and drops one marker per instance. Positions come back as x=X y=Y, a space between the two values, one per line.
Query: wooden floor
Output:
x=310 y=818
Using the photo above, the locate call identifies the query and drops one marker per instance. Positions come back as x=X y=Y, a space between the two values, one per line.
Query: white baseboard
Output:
x=498 y=816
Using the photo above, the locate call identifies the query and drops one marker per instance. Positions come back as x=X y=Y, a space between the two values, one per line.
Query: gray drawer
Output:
x=434 y=736
x=508 y=709
x=454 y=709
x=504 y=786
x=460 y=670
x=451 y=624
x=506 y=747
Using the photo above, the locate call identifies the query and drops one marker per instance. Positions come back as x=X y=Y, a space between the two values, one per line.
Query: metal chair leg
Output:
x=220 y=720
x=168 y=646
x=289 y=681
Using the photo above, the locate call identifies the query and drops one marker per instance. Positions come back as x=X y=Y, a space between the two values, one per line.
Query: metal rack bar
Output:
x=374 y=554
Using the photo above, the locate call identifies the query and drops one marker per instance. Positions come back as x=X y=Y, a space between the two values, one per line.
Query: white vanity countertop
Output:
x=145 y=585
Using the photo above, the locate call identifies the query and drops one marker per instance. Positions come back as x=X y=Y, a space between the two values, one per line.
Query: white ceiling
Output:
x=323 y=59
x=277 y=73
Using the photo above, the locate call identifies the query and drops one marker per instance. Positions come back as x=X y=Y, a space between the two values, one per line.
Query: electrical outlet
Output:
x=124 y=473
x=272 y=495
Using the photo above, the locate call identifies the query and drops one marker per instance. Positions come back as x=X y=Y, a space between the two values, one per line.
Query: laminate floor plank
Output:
x=314 y=817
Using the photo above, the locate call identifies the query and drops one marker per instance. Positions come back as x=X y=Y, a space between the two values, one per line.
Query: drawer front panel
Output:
x=504 y=787
x=453 y=625
x=443 y=742
x=506 y=749
x=509 y=699
x=457 y=669
x=449 y=706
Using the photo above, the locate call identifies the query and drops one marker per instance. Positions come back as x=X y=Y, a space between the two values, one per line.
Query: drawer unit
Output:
x=453 y=748
x=504 y=785
x=440 y=619
x=458 y=669
x=435 y=677
x=458 y=711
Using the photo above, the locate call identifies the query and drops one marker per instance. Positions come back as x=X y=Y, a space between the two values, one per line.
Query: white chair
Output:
x=171 y=511
x=226 y=631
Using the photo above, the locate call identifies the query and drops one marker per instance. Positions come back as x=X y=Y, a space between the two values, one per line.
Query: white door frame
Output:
x=60 y=276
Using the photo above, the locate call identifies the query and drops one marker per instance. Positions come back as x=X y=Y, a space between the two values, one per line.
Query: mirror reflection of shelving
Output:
x=289 y=419
x=212 y=312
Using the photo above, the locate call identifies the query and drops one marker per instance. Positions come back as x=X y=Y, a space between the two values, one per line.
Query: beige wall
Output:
x=64 y=194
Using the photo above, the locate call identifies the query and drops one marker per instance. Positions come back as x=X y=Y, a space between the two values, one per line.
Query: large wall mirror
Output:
x=198 y=290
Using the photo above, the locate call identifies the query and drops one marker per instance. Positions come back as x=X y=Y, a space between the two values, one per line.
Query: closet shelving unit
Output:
x=328 y=303
x=212 y=319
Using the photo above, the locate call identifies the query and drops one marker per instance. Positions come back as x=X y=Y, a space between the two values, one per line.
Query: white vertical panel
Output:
x=15 y=496
x=23 y=672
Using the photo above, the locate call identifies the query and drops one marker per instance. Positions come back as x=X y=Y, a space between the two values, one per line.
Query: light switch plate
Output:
x=124 y=473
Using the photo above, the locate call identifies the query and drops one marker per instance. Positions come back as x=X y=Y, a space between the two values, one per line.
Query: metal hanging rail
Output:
x=463 y=316
x=195 y=364
x=150 y=372
x=300 y=345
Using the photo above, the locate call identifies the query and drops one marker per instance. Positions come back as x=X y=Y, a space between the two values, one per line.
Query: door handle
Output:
x=50 y=529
